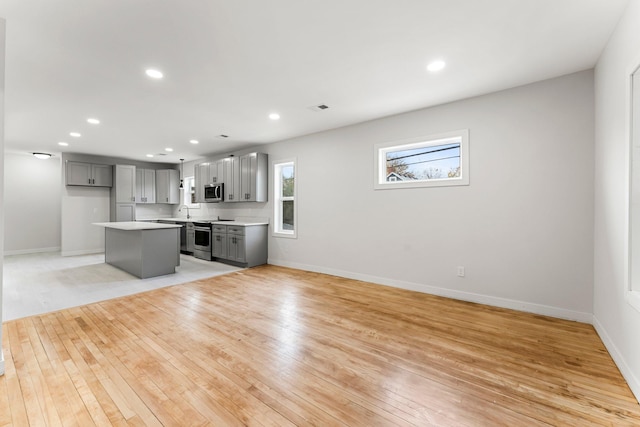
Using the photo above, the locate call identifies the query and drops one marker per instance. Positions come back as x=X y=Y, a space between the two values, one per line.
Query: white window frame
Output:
x=186 y=199
x=278 y=199
x=380 y=160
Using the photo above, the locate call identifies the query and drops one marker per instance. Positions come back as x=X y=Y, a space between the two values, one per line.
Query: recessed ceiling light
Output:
x=154 y=74
x=193 y=141
x=42 y=156
x=149 y=155
x=93 y=121
x=75 y=134
x=436 y=66
x=274 y=116
x=168 y=149
x=63 y=144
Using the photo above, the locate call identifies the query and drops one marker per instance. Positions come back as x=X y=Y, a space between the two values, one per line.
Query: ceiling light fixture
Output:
x=63 y=144
x=181 y=172
x=93 y=121
x=193 y=141
x=154 y=74
x=436 y=66
x=274 y=116
x=168 y=149
x=42 y=156
x=149 y=155
x=75 y=134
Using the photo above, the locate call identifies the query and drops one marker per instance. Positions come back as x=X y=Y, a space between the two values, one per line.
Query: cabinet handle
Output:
x=89 y=181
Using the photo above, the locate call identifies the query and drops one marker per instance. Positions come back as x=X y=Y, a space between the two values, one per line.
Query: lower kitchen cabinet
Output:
x=243 y=245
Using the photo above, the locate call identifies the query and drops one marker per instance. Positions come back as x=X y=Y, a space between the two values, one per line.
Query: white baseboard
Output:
x=1 y=362
x=528 y=307
x=83 y=252
x=617 y=357
x=32 y=251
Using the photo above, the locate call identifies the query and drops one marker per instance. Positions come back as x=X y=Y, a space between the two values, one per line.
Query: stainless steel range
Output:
x=202 y=240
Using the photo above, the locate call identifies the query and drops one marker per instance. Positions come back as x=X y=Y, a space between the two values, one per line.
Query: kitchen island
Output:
x=144 y=249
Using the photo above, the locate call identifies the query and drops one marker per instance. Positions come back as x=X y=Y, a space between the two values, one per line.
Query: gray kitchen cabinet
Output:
x=253 y=177
x=244 y=177
x=167 y=186
x=231 y=179
x=236 y=248
x=125 y=212
x=123 y=194
x=89 y=174
x=242 y=245
x=125 y=184
x=145 y=186
x=219 y=241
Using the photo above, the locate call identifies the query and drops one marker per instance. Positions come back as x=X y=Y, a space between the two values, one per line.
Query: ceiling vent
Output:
x=320 y=107
x=223 y=136
x=162 y=154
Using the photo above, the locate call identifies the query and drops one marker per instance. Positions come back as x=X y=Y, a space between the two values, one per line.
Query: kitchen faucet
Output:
x=184 y=206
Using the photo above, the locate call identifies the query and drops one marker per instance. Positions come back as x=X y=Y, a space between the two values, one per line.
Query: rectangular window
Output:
x=431 y=161
x=285 y=212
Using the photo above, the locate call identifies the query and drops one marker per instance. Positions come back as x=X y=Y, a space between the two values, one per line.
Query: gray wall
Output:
x=2 y=44
x=523 y=229
x=32 y=193
x=617 y=322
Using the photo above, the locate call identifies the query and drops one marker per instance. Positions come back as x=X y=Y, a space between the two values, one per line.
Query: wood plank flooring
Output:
x=272 y=346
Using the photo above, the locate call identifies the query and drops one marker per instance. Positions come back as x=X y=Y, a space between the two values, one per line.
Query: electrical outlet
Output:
x=460 y=271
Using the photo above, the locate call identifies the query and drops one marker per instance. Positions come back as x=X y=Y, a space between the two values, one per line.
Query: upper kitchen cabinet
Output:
x=145 y=186
x=211 y=172
x=125 y=186
x=253 y=177
x=167 y=186
x=88 y=174
x=231 y=179
x=244 y=177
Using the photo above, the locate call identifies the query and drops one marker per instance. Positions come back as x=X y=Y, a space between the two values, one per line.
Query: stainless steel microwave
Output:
x=214 y=193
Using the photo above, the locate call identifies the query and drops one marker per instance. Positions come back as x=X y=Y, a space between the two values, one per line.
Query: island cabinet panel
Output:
x=89 y=174
x=145 y=186
x=167 y=186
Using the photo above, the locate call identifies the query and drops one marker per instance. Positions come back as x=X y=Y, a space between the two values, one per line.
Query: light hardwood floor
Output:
x=271 y=346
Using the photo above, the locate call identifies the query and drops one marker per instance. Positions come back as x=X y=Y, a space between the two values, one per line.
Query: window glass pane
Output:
x=424 y=163
x=287 y=180
x=287 y=215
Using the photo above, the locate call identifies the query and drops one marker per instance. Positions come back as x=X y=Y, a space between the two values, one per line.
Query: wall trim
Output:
x=616 y=355
x=1 y=362
x=528 y=307
x=32 y=251
x=82 y=252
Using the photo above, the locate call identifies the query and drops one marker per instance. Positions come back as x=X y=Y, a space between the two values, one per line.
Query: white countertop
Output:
x=241 y=222
x=135 y=225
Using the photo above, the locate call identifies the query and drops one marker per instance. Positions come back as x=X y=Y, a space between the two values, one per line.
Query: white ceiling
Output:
x=229 y=63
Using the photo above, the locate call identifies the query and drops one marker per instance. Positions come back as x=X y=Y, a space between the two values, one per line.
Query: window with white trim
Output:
x=429 y=161
x=284 y=191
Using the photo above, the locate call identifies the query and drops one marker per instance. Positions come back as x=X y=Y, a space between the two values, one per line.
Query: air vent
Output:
x=320 y=107
x=223 y=136
x=162 y=154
